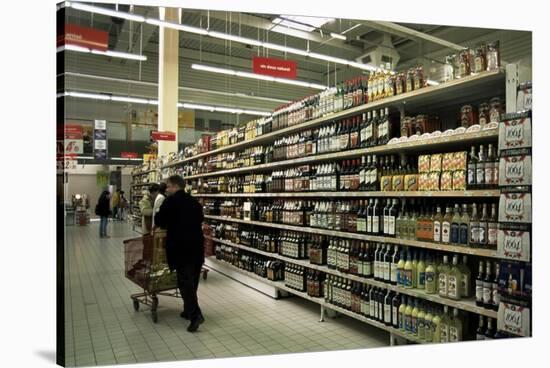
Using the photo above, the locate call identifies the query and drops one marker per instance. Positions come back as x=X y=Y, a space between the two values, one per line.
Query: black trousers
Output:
x=188 y=283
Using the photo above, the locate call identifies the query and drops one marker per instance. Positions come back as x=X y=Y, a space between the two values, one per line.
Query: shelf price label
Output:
x=514 y=319
x=514 y=244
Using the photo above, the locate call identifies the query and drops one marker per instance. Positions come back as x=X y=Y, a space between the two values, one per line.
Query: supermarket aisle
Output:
x=103 y=328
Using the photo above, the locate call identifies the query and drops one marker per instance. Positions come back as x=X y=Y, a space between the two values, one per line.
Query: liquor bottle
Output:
x=488 y=287
x=436 y=326
x=388 y=307
x=394 y=265
x=421 y=321
x=414 y=265
x=374 y=175
x=421 y=273
x=472 y=169
x=354 y=134
x=455 y=327
x=480 y=169
x=464 y=230
x=387 y=263
x=376 y=214
x=376 y=262
x=407 y=271
x=367 y=131
x=401 y=280
x=401 y=313
x=393 y=213
x=443 y=272
x=466 y=277
x=490 y=166
x=482 y=241
x=474 y=227
x=444 y=325
x=414 y=318
x=454 y=281
x=438 y=219
x=479 y=285
x=455 y=226
x=495 y=297
x=480 y=332
x=362 y=173
x=490 y=331
x=386 y=218
x=446 y=226
x=368 y=261
x=492 y=229
x=369 y=216
x=375 y=129
x=428 y=333
x=408 y=315
x=395 y=307
x=361 y=224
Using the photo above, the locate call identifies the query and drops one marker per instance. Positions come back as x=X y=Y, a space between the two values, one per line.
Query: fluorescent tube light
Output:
x=290 y=24
x=104 y=11
x=94 y=96
x=129 y=99
x=73 y=48
x=118 y=54
x=198 y=107
x=177 y=26
x=229 y=37
x=257 y=76
x=338 y=36
x=228 y=109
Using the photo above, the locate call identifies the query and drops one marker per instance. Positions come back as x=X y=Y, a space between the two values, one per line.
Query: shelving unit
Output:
x=422 y=194
x=136 y=195
x=465 y=304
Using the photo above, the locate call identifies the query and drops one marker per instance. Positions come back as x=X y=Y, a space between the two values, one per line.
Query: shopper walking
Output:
x=181 y=215
x=122 y=205
x=146 y=208
x=115 y=202
x=103 y=210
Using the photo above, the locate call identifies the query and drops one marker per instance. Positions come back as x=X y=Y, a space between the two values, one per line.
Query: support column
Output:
x=168 y=80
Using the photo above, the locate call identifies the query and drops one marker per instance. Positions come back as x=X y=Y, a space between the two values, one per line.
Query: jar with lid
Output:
x=421 y=124
x=410 y=80
x=419 y=78
x=483 y=114
x=467 y=116
x=493 y=56
x=406 y=126
x=464 y=58
x=399 y=83
x=480 y=63
x=496 y=110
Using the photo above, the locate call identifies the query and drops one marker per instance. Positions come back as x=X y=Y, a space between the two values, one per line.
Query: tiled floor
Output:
x=103 y=328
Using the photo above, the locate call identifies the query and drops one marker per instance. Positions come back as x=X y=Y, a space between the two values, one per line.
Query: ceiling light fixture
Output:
x=225 y=36
x=268 y=78
x=116 y=54
x=338 y=36
x=185 y=105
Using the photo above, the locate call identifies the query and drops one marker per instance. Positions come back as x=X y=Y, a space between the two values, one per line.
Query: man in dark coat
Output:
x=181 y=215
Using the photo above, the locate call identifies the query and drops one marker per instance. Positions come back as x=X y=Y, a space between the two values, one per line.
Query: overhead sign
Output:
x=128 y=154
x=163 y=136
x=100 y=139
x=186 y=118
x=85 y=37
x=73 y=135
x=274 y=67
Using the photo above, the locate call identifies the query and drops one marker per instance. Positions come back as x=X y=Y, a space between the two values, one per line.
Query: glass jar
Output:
x=399 y=83
x=419 y=78
x=483 y=114
x=480 y=63
x=406 y=126
x=409 y=85
x=467 y=118
x=464 y=62
x=421 y=124
x=493 y=56
x=496 y=110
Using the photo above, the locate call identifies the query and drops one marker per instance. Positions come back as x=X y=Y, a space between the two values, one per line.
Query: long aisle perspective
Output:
x=103 y=328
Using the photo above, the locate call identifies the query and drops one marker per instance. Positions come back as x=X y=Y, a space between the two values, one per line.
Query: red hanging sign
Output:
x=128 y=154
x=85 y=37
x=163 y=136
x=73 y=131
x=274 y=67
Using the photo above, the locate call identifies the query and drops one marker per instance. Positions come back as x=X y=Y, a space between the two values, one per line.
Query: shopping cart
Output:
x=145 y=265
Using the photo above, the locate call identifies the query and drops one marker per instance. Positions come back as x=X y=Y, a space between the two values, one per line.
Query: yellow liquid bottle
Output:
x=436 y=331
x=414 y=319
x=421 y=273
x=408 y=313
x=428 y=320
x=421 y=322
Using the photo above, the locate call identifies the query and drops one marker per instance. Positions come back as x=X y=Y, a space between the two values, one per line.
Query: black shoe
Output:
x=195 y=324
x=184 y=315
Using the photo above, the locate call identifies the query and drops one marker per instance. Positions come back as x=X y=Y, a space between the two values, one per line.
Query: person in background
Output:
x=159 y=200
x=146 y=208
x=122 y=205
x=115 y=202
x=103 y=210
x=182 y=216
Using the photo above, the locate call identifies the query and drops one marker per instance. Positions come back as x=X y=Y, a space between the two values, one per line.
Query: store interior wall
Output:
x=82 y=180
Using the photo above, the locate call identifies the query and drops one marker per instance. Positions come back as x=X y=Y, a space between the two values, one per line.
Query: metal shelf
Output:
x=145 y=172
x=413 y=146
x=382 y=239
x=464 y=304
x=142 y=184
x=280 y=285
x=364 y=194
x=448 y=91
